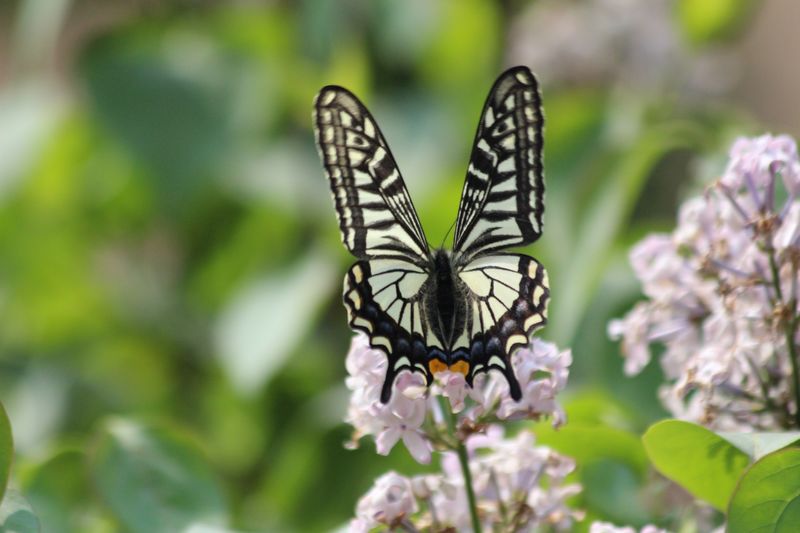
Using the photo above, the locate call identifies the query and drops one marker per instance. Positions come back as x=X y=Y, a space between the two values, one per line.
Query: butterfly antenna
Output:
x=447 y=234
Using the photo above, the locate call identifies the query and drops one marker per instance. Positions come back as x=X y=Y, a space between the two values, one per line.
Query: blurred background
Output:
x=169 y=250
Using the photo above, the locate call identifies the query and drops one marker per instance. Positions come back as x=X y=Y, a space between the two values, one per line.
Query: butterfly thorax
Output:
x=446 y=306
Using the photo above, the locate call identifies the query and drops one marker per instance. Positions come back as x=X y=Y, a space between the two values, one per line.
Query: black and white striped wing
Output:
x=376 y=216
x=384 y=299
x=506 y=302
x=502 y=202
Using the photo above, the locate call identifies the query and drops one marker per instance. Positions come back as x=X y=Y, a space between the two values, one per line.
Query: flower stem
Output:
x=461 y=450
x=790 y=329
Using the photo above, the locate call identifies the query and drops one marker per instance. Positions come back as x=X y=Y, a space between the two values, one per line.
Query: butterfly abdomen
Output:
x=447 y=307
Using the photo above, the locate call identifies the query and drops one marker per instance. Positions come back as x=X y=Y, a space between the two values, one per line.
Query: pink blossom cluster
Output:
x=518 y=486
x=541 y=368
x=722 y=295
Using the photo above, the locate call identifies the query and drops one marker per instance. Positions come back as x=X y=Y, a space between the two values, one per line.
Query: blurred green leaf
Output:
x=165 y=110
x=597 y=407
x=587 y=444
x=696 y=458
x=757 y=445
x=603 y=220
x=768 y=495
x=265 y=320
x=29 y=113
x=58 y=488
x=707 y=21
x=154 y=479
x=16 y=515
x=6 y=450
x=456 y=59
x=607 y=483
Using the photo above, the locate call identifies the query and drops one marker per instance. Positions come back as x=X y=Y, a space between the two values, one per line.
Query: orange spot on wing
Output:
x=462 y=367
x=436 y=366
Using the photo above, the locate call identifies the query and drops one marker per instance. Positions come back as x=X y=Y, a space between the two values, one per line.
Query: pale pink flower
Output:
x=634 y=331
x=758 y=159
x=511 y=471
x=712 y=301
x=542 y=371
x=388 y=501
x=400 y=419
x=788 y=235
x=453 y=386
x=541 y=368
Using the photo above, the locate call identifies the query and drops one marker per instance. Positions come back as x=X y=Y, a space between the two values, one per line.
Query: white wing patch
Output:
x=502 y=202
x=376 y=215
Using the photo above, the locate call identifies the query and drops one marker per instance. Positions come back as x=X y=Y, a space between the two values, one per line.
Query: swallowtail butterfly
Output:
x=465 y=310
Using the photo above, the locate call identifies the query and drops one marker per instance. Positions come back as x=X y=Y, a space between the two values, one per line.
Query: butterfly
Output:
x=464 y=310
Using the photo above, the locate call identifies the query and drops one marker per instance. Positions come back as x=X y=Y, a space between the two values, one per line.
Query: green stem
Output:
x=790 y=330
x=461 y=450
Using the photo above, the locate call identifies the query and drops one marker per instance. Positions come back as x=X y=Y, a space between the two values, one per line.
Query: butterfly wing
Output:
x=376 y=216
x=502 y=202
x=384 y=292
x=506 y=302
x=386 y=300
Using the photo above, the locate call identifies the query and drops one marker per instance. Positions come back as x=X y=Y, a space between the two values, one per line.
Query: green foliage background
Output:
x=169 y=258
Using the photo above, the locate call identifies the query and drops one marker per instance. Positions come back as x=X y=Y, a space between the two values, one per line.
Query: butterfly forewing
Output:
x=502 y=202
x=376 y=216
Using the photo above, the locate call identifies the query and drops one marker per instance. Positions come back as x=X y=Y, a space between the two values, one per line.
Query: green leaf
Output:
x=58 y=488
x=699 y=460
x=175 y=120
x=768 y=495
x=154 y=479
x=266 y=320
x=757 y=445
x=586 y=444
x=601 y=222
x=16 y=515
x=707 y=21
x=606 y=483
x=6 y=450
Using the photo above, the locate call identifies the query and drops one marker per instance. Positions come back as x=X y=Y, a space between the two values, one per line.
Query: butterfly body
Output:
x=467 y=309
x=446 y=305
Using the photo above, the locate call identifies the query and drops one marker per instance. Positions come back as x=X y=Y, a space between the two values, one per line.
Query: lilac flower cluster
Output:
x=413 y=412
x=506 y=481
x=722 y=293
x=519 y=487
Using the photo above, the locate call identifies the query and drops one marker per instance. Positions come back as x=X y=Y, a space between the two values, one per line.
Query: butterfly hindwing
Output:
x=385 y=299
x=502 y=202
x=507 y=298
x=376 y=215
